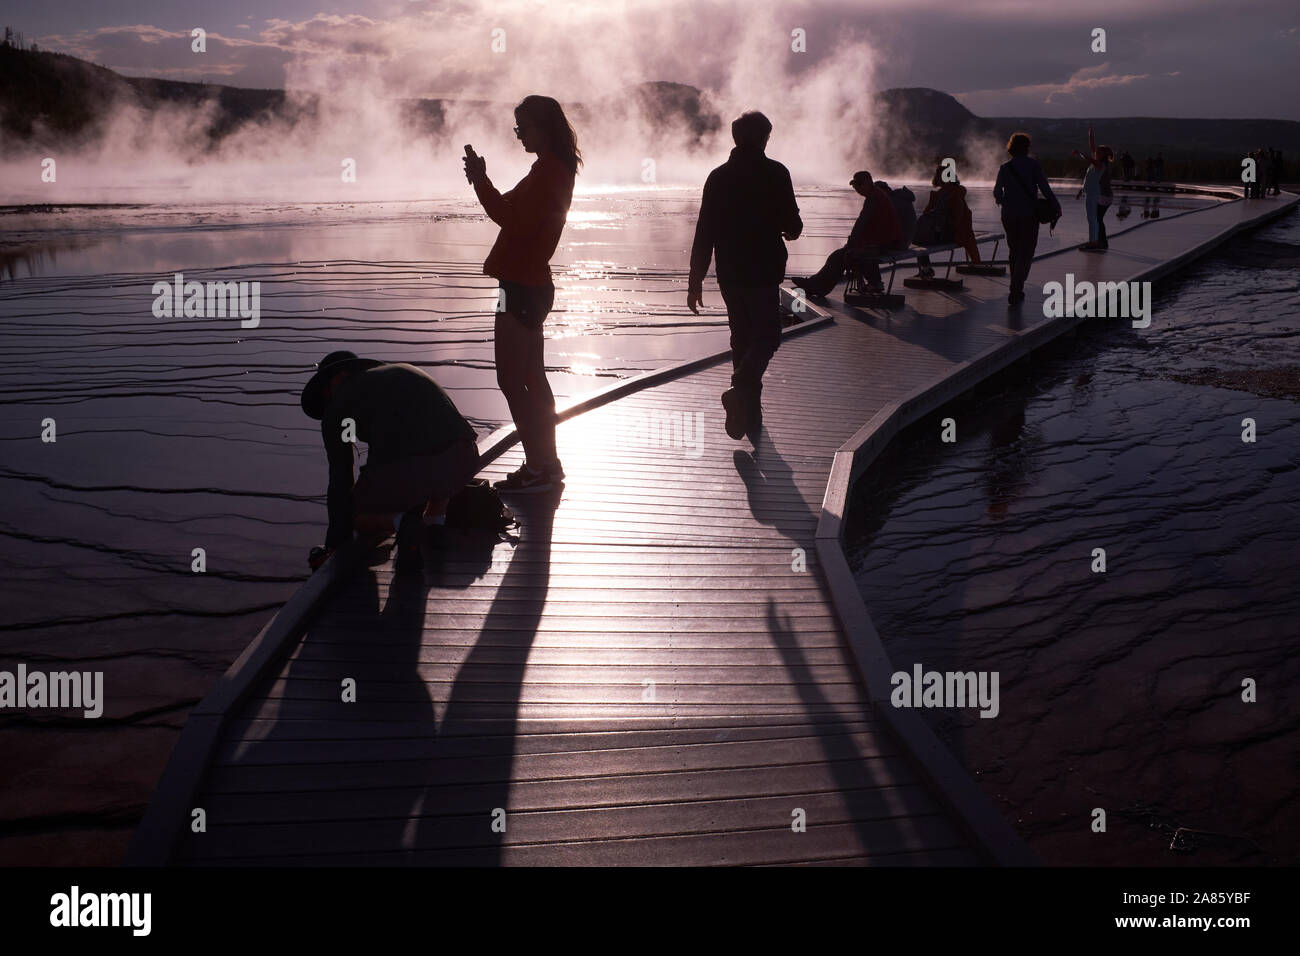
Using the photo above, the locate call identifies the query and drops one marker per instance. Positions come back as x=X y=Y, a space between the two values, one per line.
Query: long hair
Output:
x=560 y=136
x=937 y=180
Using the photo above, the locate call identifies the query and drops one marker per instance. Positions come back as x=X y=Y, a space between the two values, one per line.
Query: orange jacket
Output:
x=531 y=217
x=959 y=217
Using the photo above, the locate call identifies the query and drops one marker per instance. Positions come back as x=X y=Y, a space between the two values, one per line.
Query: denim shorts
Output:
x=530 y=304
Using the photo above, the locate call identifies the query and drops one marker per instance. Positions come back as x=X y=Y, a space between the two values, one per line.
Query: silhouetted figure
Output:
x=877 y=227
x=1255 y=190
x=747 y=209
x=421 y=450
x=948 y=205
x=1019 y=182
x=1150 y=169
x=1096 y=191
x=1160 y=167
x=1127 y=161
x=531 y=217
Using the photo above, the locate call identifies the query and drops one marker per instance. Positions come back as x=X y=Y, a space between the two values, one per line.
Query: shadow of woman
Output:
x=463 y=818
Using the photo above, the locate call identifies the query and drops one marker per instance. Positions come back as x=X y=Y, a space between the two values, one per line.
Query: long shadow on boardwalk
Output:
x=483 y=706
x=865 y=799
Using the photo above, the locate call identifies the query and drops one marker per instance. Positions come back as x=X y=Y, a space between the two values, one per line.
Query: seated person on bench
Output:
x=876 y=230
x=948 y=205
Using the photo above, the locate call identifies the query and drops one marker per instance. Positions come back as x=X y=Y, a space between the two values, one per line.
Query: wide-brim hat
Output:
x=313 y=393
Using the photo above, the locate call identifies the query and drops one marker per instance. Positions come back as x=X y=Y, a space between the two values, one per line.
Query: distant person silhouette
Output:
x=877 y=227
x=531 y=217
x=1127 y=161
x=747 y=209
x=1020 y=180
x=420 y=450
x=1096 y=191
x=1160 y=167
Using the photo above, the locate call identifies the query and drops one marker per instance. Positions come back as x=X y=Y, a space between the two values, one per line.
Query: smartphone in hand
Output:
x=473 y=163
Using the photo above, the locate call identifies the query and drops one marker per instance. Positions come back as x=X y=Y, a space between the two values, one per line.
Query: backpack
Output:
x=478 y=507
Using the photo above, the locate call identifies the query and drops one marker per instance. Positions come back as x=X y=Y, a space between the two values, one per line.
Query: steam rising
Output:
x=351 y=82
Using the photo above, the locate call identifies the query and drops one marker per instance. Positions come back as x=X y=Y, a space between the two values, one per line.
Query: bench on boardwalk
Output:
x=856 y=292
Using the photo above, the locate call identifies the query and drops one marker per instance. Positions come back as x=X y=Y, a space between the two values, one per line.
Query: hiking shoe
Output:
x=734 y=403
x=526 y=481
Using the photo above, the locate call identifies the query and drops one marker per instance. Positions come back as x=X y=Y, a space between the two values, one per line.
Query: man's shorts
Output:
x=396 y=487
x=530 y=304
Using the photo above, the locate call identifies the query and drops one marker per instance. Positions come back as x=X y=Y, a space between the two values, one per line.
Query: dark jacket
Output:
x=748 y=202
x=878 y=223
x=1017 y=201
x=400 y=412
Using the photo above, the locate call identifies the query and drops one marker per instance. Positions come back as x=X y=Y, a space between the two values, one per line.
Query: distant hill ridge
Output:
x=52 y=99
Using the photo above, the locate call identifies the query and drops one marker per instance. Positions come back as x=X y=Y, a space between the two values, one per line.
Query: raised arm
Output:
x=526 y=207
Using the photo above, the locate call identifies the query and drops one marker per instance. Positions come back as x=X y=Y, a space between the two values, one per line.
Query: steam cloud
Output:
x=348 y=77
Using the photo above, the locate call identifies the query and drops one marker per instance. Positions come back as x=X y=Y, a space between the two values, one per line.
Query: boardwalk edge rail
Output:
x=173 y=800
x=954 y=783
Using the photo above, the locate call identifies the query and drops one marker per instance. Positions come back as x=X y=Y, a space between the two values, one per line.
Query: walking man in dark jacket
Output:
x=747 y=209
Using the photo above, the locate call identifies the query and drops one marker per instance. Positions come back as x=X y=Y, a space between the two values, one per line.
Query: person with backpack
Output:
x=947 y=218
x=877 y=227
x=420 y=451
x=531 y=217
x=1019 y=182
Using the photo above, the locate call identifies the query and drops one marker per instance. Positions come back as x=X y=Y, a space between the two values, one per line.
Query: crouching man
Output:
x=421 y=451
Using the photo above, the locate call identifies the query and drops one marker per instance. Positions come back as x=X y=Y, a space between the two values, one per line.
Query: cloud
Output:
x=1087 y=78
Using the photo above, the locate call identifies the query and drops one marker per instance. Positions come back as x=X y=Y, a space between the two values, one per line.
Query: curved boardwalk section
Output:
x=658 y=671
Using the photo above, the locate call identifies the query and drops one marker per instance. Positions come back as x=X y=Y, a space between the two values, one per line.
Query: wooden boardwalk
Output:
x=656 y=672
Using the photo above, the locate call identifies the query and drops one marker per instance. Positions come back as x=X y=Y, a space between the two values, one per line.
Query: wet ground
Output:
x=175 y=434
x=1120 y=690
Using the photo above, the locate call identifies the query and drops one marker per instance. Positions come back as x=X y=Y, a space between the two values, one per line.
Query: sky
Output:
x=1171 y=58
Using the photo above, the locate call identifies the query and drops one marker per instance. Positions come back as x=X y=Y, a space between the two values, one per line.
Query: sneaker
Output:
x=526 y=481
x=734 y=403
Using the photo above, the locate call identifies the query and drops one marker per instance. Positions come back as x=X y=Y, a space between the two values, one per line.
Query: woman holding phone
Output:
x=531 y=217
